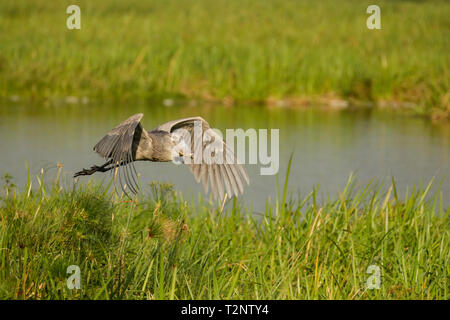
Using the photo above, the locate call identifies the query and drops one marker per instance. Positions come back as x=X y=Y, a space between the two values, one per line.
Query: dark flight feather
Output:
x=117 y=145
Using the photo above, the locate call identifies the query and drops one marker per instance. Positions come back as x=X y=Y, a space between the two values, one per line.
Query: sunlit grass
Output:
x=160 y=247
x=246 y=49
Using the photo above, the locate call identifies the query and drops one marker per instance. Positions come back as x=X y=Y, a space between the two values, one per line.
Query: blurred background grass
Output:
x=227 y=49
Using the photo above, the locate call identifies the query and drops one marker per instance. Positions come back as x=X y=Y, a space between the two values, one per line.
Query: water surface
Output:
x=328 y=145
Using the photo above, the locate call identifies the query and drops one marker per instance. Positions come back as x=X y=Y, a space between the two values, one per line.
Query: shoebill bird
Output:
x=130 y=142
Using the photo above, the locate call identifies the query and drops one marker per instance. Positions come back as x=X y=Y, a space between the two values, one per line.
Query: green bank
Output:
x=365 y=244
x=262 y=51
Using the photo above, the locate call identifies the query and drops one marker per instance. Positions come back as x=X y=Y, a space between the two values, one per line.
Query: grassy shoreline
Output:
x=159 y=247
x=274 y=52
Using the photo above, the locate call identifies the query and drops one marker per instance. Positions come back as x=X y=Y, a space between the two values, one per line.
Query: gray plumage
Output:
x=130 y=142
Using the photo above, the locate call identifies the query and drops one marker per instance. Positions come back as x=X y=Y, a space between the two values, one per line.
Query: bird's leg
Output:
x=93 y=169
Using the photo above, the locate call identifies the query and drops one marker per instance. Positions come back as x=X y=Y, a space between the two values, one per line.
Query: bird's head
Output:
x=180 y=149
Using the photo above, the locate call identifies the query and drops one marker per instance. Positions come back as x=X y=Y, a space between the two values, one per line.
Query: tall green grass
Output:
x=161 y=247
x=227 y=49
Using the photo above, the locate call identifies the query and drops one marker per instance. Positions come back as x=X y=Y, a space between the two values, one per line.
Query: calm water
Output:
x=328 y=145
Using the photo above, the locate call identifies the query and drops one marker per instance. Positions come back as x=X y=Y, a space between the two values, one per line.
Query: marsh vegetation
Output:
x=291 y=51
x=160 y=247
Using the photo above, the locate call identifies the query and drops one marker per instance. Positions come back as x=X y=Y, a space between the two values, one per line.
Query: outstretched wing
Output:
x=119 y=146
x=221 y=171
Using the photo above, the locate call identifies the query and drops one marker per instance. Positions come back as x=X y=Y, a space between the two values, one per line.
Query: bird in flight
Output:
x=190 y=141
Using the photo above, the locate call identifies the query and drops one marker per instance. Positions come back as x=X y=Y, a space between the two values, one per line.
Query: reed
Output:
x=162 y=247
